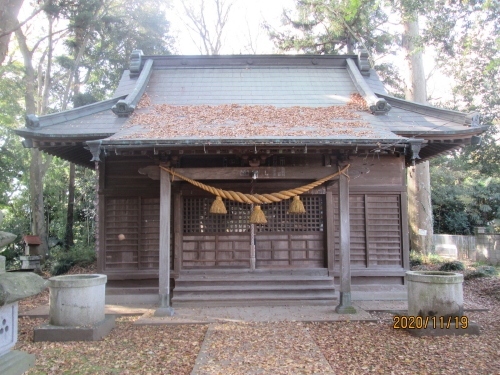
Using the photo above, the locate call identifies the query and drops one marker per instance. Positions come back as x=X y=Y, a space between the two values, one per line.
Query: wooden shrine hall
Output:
x=263 y=179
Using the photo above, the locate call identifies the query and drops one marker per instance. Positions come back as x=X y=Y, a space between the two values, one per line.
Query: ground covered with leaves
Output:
x=345 y=347
x=128 y=349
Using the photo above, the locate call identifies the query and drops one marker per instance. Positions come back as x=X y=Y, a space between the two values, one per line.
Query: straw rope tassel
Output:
x=218 y=206
x=258 y=216
x=296 y=206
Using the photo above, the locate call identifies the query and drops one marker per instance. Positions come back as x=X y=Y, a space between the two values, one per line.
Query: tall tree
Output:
x=37 y=165
x=467 y=38
x=9 y=10
x=418 y=176
x=332 y=27
x=207 y=22
x=99 y=39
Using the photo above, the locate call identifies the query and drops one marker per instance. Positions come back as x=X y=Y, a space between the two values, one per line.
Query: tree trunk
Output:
x=68 y=238
x=37 y=167
x=36 y=201
x=418 y=176
x=9 y=10
x=415 y=80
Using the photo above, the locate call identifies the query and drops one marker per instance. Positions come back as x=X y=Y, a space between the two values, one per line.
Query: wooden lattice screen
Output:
x=279 y=220
x=198 y=219
x=214 y=240
x=138 y=219
x=375 y=230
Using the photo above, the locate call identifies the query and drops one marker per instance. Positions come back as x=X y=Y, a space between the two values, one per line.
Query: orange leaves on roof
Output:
x=244 y=121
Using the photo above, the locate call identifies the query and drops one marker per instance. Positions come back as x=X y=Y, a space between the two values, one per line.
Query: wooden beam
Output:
x=164 y=267
x=345 y=306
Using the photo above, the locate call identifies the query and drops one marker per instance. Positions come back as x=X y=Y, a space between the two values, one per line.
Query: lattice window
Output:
x=197 y=217
x=279 y=220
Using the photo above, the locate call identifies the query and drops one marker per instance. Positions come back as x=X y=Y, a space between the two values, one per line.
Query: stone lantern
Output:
x=14 y=287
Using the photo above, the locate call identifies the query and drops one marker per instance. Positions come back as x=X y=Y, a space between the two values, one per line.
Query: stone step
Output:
x=252 y=288
x=131 y=290
x=258 y=299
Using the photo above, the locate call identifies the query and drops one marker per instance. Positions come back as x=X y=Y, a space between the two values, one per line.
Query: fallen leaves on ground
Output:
x=280 y=348
x=128 y=349
x=262 y=348
x=243 y=121
x=377 y=348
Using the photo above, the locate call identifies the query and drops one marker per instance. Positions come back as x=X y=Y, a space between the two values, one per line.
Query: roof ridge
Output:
x=471 y=119
x=125 y=107
x=378 y=106
x=33 y=121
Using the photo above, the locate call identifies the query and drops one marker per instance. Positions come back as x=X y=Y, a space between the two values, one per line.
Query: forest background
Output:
x=60 y=54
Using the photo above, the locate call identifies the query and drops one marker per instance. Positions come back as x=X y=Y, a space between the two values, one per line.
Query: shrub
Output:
x=61 y=261
x=482 y=271
x=416 y=259
x=452 y=266
x=434 y=259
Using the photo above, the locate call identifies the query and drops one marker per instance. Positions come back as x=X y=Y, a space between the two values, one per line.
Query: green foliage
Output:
x=463 y=196
x=332 y=27
x=107 y=31
x=416 y=259
x=482 y=271
x=452 y=266
x=61 y=261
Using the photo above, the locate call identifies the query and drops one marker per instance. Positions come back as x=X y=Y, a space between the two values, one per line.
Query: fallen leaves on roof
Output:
x=160 y=121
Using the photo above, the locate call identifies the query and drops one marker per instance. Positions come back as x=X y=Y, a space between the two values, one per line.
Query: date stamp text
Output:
x=435 y=322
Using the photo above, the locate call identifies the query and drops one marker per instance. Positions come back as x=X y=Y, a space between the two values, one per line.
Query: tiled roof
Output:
x=279 y=81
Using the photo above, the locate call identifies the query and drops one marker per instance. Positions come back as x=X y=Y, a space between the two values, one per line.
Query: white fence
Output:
x=481 y=247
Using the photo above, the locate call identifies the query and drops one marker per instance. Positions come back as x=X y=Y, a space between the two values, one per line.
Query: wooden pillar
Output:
x=100 y=223
x=330 y=229
x=344 y=306
x=252 y=247
x=164 y=283
x=177 y=232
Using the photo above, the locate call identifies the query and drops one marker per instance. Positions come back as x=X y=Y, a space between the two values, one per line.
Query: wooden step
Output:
x=263 y=281
x=260 y=288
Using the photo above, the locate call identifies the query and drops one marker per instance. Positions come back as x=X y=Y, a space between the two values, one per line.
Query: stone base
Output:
x=345 y=306
x=472 y=329
x=96 y=332
x=30 y=262
x=345 y=309
x=16 y=362
x=164 y=311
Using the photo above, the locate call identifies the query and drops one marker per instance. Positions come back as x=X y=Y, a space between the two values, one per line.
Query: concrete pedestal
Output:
x=30 y=262
x=94 y=332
